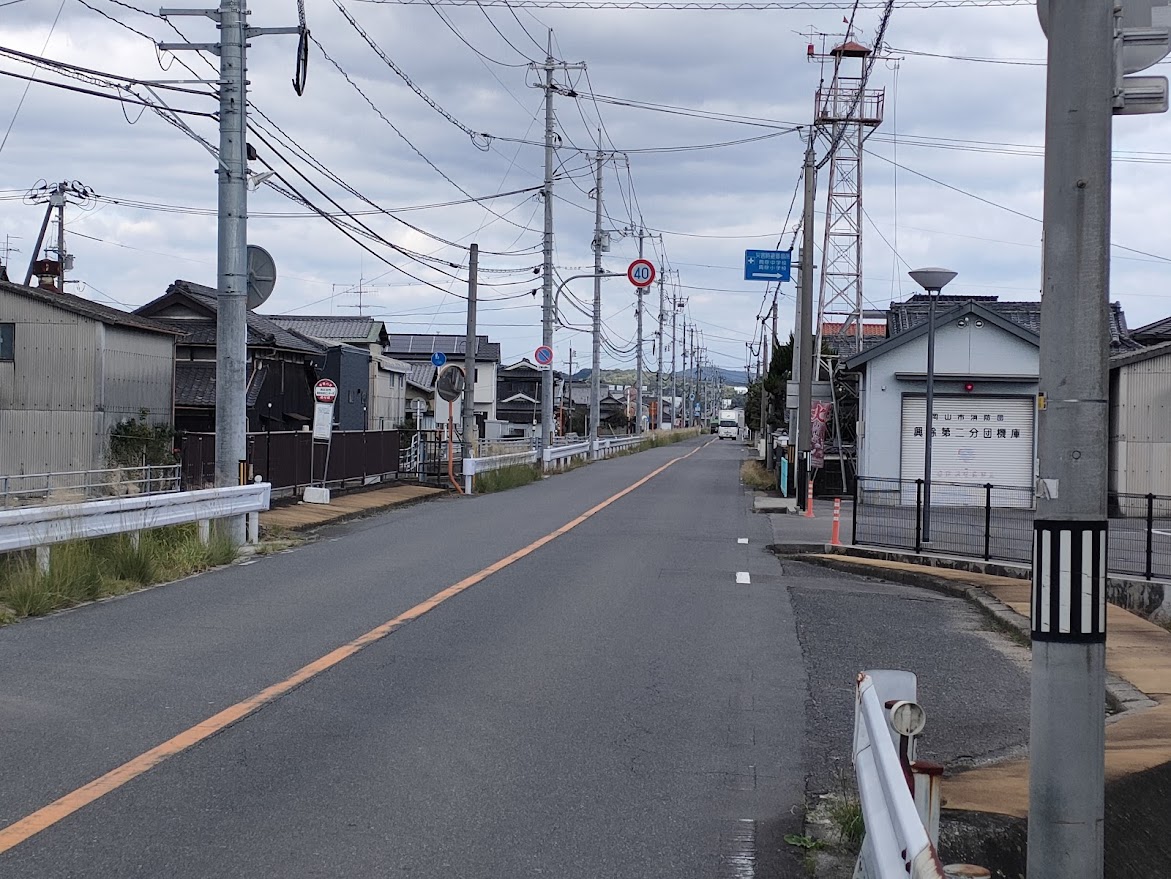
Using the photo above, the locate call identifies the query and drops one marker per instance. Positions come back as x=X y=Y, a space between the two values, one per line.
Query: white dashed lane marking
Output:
x=742 y=577
x=741 y=539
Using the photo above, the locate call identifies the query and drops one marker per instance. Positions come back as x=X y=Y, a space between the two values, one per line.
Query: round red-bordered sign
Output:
x=325 y=391
x=641 y=273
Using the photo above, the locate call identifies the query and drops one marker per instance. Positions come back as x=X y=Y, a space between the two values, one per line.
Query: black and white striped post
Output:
x=1069 y=582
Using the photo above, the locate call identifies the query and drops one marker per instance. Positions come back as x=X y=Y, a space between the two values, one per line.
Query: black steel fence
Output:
x=291 y=460
x=996 y=522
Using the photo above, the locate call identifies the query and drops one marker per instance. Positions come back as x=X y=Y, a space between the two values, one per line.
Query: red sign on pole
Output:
x=641 y=273
x=325 y=391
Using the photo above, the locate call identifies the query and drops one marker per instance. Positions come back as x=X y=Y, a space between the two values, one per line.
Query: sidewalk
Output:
x=1137 y=651
x=301 y=516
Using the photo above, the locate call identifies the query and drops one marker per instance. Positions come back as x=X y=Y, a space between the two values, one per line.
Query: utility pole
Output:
x=639 y=292
x=595 y=373
x=469 y=400
x=566 y=427
x=1067 y=722
x=686 y=397
x=674 y=389
x=769 y=456
x=231 y=442
x=803 y=355
x=696 y=360
x=547 y=195
x=766 y=345
x=662 y=305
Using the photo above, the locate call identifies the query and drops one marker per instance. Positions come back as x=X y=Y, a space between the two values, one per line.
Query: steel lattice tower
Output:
x=843 y=112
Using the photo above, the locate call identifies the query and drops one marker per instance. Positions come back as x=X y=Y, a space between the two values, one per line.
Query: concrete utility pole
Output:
x=547 y=194
x=803 y=354
x=231 y=441
x=1067 y=718
x=639 y=292
x=595 y=374
x=686 y=396
x=769 y=455
x=662 y=306
x=766 y=346
x=470 y=345
x=674 y=386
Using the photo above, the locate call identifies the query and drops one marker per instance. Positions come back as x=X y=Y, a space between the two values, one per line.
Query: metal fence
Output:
x=290 y=460
x=990 y=522
x=75 y=486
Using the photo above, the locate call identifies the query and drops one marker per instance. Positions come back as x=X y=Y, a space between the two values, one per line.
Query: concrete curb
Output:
x=1121 y=695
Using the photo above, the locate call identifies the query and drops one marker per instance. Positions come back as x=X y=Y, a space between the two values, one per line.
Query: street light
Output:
x=933 y=280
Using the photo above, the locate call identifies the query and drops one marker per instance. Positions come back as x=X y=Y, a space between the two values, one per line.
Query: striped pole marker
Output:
x=834 y=538
x=1069 y=581
x=809 y=501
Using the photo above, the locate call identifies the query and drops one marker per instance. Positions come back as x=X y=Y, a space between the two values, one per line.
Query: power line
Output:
x=705 y=5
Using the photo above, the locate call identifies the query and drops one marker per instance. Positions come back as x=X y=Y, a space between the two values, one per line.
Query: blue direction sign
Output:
x=439 y=358
x=768 y=265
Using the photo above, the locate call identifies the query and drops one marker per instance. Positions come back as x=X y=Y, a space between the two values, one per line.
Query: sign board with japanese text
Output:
x=977 y=439
x=768 y=265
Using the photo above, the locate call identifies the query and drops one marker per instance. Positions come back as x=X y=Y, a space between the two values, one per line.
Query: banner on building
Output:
x=819 y=413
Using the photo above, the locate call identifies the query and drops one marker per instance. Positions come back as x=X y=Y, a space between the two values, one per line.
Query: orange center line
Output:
x=45 y=817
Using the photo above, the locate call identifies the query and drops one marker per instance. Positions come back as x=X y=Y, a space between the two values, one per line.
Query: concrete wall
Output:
x=960 y=352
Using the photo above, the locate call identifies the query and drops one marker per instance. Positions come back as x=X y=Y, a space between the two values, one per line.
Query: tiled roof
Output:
x=262 y=331
x=85 y=308
x=410 y=346
x=903 y=316
x=1154 y=332
x=195 y=384
x=336 y=329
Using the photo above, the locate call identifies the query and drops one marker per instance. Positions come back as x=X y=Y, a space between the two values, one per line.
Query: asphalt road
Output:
x=612 y=704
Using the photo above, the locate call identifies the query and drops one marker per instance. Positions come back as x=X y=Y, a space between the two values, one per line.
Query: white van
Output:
x=729 y=429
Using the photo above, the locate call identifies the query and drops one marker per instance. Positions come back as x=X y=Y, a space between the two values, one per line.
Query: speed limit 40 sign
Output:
x=641 y=273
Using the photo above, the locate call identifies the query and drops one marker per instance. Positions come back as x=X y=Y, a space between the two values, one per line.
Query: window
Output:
x=7 y=342
x=475 y=375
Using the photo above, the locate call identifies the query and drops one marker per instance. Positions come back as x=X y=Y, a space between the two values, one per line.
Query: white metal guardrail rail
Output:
x=900 y=832
x=40 y=527
x=73 y=486
x=472 y=466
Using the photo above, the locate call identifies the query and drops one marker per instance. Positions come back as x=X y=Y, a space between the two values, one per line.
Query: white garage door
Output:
x=976 y=440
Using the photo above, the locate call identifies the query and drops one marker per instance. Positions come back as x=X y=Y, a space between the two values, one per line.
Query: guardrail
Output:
x=472 y=466
x=901 y=827
x=40 y=527
x=72 y=486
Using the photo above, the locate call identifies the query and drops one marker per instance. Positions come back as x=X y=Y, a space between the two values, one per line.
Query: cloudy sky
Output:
x=964 y=109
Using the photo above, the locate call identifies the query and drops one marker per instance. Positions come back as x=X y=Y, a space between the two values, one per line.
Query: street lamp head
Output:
x=932 y=278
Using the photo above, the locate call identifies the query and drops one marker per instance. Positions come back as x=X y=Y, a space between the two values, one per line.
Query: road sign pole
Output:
x=639 y=291
x=469 y=403
x=1067 y=717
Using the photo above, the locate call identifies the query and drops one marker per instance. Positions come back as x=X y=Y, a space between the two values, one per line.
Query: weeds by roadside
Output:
x=513 y=476
x=86 y=570
x=754 y=475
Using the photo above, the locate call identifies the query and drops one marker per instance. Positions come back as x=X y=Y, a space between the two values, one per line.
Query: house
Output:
x=70 y=370
x=281 y=368
x=1140 y=421
x=518 y=398
x=612 y=417
x=986 y=370
x=986 y=383
x=416 y=349
x=379 y=401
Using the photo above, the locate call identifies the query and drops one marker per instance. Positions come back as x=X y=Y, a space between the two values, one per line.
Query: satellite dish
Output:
x=261 y=276
x=450 y=383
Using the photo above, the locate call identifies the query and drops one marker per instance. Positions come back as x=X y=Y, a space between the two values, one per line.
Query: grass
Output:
x=512 y=476
x=754 y=475
x=846 y=815
x=86 y=570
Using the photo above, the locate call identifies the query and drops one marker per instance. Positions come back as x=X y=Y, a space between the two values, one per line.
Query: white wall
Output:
x=960 y=352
